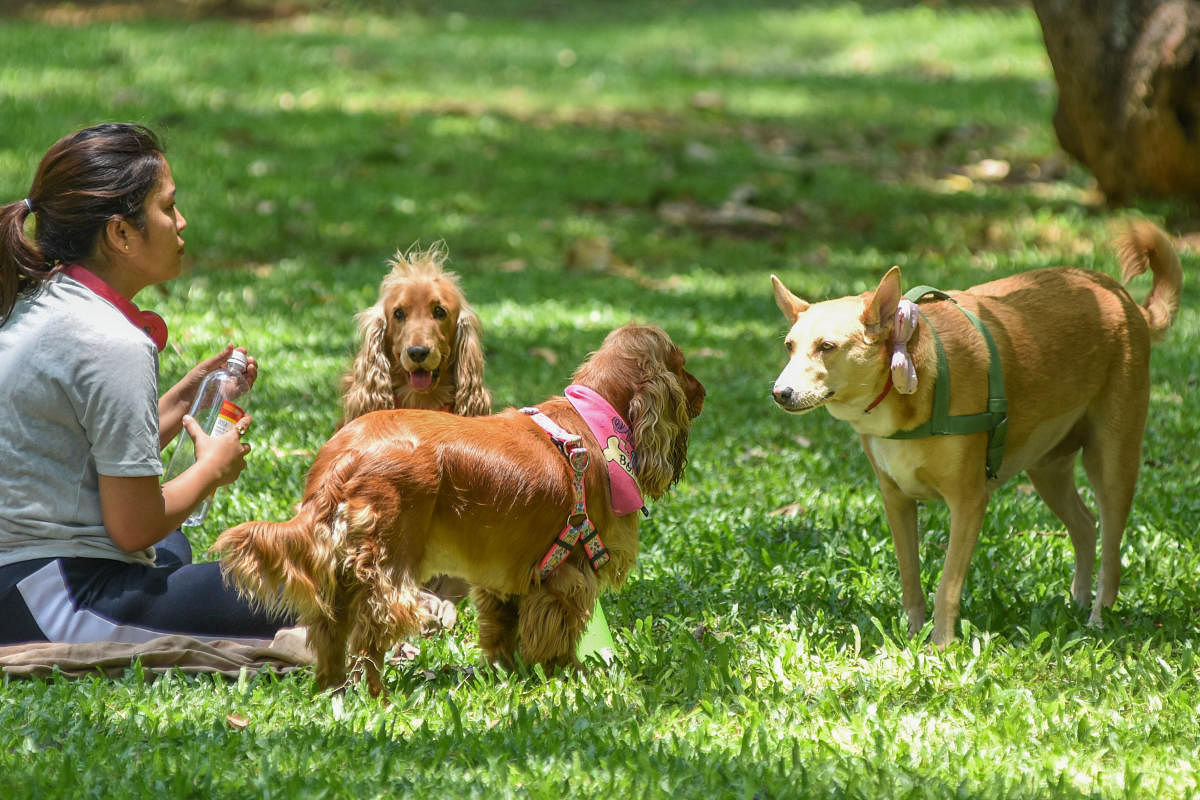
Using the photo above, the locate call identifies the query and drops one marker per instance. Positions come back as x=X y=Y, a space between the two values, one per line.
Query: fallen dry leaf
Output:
x=405 y=651
x=548 y=355
x=790 y=510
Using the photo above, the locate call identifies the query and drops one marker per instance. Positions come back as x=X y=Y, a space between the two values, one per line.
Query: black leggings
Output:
x=98 y=599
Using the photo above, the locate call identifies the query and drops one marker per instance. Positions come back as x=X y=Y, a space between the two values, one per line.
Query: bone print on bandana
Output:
x=615 y=437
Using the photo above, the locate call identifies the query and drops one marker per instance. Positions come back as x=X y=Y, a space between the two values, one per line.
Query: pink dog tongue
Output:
x=420 y=380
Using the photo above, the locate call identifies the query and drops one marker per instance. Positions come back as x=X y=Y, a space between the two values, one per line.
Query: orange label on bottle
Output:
x=231 y=412
x=228 y=415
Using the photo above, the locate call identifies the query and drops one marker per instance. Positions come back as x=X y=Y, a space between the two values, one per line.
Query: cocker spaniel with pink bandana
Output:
x=537 y=508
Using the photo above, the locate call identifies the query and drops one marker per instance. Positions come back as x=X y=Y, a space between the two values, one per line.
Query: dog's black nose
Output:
x=782 y=394
x=417 y=354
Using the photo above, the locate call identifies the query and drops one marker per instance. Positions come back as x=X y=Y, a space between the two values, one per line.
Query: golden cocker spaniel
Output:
x=397 y=496
x=420 y=344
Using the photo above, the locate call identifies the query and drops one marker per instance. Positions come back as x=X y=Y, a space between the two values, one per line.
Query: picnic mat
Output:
x=283 y=654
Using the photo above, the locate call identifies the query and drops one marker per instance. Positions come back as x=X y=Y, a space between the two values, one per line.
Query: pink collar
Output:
x=148 y=321
x=616 y=440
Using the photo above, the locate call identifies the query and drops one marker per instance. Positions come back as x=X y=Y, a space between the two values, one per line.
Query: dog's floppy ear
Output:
x=791 y=306
x=881 y=308
x=471 y=397
x=658 y=413
x=369 y=384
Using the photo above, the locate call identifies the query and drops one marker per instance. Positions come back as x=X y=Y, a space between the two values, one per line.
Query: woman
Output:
x=90 y=546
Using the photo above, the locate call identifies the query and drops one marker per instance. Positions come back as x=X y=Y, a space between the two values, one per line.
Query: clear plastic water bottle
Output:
x=216 y=412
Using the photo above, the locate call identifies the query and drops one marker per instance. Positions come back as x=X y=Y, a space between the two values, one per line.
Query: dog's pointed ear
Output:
x=881 y=308
x=791 y=306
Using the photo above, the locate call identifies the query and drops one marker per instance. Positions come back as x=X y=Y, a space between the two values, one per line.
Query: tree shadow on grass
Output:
x=579 y=11
x=349 y=189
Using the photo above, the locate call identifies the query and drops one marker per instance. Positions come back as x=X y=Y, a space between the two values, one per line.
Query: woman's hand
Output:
x=178 y=399
x=222 y=456
x=191 y=382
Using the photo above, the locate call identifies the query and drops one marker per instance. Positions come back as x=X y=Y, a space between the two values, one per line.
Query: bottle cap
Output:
x=237 y=361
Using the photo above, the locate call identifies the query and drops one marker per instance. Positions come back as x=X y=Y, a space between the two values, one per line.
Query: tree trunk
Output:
x=1128 y=74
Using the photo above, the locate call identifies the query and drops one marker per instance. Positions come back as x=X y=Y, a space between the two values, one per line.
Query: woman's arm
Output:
x=139 y=512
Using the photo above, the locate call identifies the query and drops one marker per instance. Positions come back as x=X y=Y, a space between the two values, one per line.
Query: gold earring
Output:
x=126 y=248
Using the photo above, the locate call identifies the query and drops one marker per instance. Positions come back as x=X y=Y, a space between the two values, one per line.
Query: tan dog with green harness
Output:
x=1019 y=374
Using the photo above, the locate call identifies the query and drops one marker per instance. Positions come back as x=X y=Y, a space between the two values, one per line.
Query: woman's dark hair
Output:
x=84 y=180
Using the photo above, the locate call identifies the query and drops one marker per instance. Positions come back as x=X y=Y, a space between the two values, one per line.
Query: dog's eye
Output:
x=826 y=346
x=439 y=312
x=398 y=314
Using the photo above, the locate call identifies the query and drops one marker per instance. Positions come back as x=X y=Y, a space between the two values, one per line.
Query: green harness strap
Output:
x=994 y=420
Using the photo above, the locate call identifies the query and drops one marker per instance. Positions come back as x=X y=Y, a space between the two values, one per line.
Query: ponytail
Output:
x=21 y=266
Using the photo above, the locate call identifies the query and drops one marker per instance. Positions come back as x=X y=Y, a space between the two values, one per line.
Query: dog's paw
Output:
x=436 y=614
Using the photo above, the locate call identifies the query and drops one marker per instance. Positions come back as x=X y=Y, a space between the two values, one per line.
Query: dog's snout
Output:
x=782 y=394
x=417 y=354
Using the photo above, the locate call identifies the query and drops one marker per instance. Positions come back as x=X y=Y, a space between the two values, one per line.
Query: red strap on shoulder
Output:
x=152 y=324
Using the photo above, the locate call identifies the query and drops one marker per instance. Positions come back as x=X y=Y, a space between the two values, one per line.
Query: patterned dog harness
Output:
x=579 y=526
x=940 y=423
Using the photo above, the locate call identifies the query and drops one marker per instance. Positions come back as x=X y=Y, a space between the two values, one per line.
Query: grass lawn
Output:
x=697 y=147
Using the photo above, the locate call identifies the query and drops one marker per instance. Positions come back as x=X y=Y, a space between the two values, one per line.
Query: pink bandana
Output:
x=148 y=321
x=616 y=440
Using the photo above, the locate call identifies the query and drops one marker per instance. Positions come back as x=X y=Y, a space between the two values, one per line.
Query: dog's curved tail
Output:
x=279 y=565
x=290 y=565
x=1144 y=246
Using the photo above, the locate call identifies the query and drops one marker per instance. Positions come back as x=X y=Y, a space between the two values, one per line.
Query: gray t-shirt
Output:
x=78 y=398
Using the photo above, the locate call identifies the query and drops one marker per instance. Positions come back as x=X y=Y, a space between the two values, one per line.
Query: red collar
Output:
x=447 y=407
x=148 y=321
x=887 y=387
